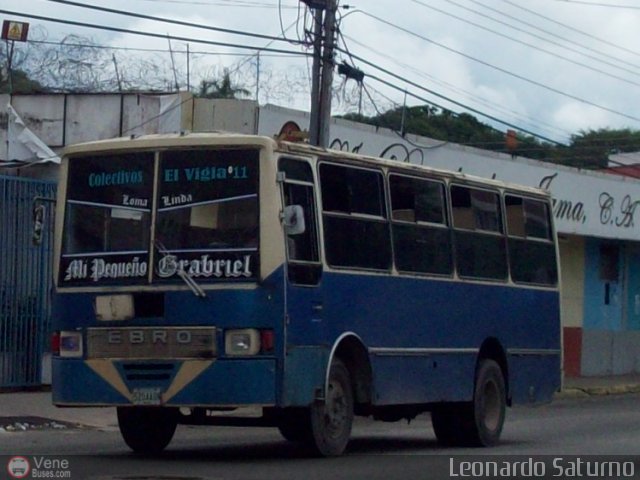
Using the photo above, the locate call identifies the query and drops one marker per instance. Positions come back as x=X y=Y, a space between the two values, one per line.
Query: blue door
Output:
x=633 y=290
x=25 y=280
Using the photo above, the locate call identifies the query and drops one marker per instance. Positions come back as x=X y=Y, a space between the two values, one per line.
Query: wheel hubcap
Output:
x=335 y=414
x=491 y=407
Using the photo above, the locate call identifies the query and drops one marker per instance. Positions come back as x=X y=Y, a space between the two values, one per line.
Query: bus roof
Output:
x=219 y=138
x=168 y=140
x=301 y=148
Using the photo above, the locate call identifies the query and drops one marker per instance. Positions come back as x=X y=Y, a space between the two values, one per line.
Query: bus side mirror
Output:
x=293 y=220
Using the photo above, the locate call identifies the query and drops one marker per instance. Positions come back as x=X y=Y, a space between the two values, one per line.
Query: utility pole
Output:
x=315 y=77
x=323 y=65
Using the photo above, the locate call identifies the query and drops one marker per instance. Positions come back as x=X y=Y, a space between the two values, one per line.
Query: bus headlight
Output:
x=242 y=342
x=70 y=344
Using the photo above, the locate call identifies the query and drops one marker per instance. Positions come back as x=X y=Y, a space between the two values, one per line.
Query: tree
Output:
x=20 y=83
x=590 y=149
x=444 y=125
x=593 y=147
x=220 y=88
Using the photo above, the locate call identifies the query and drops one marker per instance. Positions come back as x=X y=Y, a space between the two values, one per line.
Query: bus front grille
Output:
x=149 y=343
x=148 y=371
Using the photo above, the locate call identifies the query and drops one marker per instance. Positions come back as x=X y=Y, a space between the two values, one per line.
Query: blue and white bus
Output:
x=204 y=272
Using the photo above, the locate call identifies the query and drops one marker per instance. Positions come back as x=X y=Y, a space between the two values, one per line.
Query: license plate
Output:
x=146 y=396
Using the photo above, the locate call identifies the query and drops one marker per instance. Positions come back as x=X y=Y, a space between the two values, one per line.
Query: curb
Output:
x=571 y=393
x=576 y=392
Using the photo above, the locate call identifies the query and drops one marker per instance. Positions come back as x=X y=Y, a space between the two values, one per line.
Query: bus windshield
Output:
x=192 y=215
x=205 y=218
x=108 y=207
x=207 y=214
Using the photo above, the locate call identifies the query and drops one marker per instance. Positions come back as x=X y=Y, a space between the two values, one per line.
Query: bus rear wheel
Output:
x=331 y=420
x=478 y=423
x=295 y=425
x=147 y=430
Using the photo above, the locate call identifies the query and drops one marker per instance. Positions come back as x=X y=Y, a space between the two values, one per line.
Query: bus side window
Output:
x=421 y=237
x=531 y=249
x=478 y=234
x=356 y=229
x=303 y=253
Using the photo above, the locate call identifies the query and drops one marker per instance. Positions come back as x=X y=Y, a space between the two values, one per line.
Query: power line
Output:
x=400 y=89
x=522 y=151
x=167 y=20
x=243 y=46
x=547 y=32
x=500 y=69
x=400 y=134
x=596 y=4
x=569 y=27
x=474 y=110
x=150 y=34
x=552 y=34
x=221 y=4
x=530 y=120
x=145 y=50
x=439 y=95
x=247 y=58
x=530 y=45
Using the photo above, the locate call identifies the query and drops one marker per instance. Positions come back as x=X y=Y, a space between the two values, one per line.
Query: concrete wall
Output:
x=64 y=119
x=229 y=115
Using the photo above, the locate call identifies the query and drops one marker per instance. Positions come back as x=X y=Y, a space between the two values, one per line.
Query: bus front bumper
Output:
x=219 y=382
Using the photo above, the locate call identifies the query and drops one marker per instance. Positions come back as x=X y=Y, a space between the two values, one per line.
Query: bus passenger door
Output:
x=304 y=269
x=305 y=357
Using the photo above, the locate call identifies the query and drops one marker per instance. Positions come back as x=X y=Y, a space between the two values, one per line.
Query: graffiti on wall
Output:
x=395 y=151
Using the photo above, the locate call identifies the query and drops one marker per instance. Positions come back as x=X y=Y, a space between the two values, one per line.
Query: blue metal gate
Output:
x=25 y=280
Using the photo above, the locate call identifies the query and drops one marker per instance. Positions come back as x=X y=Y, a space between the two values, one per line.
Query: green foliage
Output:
x=596 y=145
x=220 y=88
x=586 y=150
x=21 y=83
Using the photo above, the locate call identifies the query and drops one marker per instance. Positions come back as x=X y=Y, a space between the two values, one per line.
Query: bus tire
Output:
x=482 y=420
x=147 y=430
x=478 y=423
x=331 y=420
x=295 y=426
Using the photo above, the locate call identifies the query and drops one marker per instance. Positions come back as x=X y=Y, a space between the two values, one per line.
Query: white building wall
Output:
x=586 y=203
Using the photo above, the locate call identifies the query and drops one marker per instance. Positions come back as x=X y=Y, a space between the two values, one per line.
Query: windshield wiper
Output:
x=186 y=278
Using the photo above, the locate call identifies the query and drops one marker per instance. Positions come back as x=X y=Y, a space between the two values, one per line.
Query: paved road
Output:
x=586 y=426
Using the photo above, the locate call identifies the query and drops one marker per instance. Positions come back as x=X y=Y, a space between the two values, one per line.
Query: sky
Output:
x=552 y=68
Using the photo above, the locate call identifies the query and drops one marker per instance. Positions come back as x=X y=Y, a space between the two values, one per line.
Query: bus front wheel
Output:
x=478 y=423
x=332 y=419
x=147 y=430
